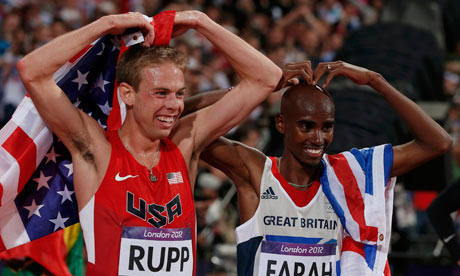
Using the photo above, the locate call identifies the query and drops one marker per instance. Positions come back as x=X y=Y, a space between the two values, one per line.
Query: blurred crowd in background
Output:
x=415 y=45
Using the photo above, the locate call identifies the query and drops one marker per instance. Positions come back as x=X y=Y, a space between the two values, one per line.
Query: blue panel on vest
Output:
x=246 y=254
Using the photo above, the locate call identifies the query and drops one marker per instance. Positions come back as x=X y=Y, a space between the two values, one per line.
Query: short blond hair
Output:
x=137 y=57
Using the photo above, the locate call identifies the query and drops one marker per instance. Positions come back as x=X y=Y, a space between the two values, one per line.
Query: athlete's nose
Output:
x=172 y=102
x=318 y=137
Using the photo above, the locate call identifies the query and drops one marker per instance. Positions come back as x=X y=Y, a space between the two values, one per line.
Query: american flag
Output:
x=46 y=201
x=36 y=174
x=358 y=186
x=174 y=178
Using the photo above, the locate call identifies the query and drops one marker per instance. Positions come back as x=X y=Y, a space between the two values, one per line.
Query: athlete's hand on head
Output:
x=358 y=75
x=185 y=20
x=120 y=22
x=293 y=71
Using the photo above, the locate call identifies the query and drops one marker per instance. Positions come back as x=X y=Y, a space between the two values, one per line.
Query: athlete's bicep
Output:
x=407 y=157
x=218 y=118
x=223 y=155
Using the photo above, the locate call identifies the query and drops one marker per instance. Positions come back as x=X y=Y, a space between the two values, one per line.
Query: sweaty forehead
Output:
x=163 y=75
x=306 y=99
x=161 y=70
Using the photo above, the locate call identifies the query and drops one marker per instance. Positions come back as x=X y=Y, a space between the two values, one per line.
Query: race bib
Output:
x=282 y=258
x=155 y=251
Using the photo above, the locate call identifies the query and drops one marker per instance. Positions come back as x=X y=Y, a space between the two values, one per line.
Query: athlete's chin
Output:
x=160 y=134
x=164 y=134
x=312 y=164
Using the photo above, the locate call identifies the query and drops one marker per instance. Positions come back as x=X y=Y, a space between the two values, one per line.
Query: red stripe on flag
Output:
x=125 y=6
x=24 y=152
x=348 y=244
x=2 y=245
x=114 y=119
x=1 y=193
x=163 y=24
x=49 y=251
x=79 y=54
x=387 y=271
x=353 y=196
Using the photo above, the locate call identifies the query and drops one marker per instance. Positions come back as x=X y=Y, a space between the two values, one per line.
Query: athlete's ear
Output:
x=280 y=123
x=127 y=93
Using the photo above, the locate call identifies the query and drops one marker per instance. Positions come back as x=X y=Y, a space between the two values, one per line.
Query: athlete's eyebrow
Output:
x=305 y=122
x=167 y=89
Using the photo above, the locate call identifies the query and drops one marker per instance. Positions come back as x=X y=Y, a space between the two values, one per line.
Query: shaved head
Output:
x=305 y=97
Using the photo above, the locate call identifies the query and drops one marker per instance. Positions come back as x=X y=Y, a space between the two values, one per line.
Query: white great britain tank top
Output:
x=284 y=239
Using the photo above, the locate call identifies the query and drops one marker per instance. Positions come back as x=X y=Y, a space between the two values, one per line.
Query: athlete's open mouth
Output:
x=166 y=119
x=314 y=152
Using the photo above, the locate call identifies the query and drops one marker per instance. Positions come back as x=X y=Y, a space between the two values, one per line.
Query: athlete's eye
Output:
x=305 y=126
x=328 y=127
x=180 y=94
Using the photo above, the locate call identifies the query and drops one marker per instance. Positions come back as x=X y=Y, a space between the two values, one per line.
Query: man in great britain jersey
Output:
x=309 y=213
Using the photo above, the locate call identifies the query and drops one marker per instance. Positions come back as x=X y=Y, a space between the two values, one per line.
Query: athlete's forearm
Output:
x=250 y=64
x=429 y=134
x=43 y=62
x=202 y=100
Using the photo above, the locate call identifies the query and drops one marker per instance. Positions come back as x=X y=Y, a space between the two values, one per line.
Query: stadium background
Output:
x=414 y=44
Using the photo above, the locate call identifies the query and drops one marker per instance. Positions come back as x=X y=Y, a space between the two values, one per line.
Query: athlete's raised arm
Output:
x=259 y=77
x=292 y=72
x=430 y=139
x=36 y=69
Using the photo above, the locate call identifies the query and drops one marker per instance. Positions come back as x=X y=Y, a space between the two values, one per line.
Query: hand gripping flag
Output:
x=36 y=173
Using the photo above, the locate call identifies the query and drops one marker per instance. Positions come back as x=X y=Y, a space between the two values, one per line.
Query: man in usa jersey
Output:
x=134 y=184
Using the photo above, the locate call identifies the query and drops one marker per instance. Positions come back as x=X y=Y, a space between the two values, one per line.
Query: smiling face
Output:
x=159 y=99
x=307 y=123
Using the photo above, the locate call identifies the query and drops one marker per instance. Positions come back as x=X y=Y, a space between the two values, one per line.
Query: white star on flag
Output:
x=77 y=103
x=34 y=209
x=66 y=194
x=51 y=156
x=70 y=167
x=42 y=181
x=100 y=53
x=59 y=222
x=81 y=79
x=100 y=123
x=105 y=108
x=101 y=83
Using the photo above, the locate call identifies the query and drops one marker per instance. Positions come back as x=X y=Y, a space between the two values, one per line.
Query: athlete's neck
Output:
x=294 y=172
x=138 y=144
